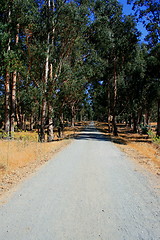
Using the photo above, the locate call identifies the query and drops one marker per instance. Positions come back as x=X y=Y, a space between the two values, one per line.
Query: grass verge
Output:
x=22 y=156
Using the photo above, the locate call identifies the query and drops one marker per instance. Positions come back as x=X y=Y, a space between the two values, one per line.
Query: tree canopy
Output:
x=67 y=60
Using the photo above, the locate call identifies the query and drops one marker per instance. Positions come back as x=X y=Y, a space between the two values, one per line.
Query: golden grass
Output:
x=147 y=150
x=25 y=148
x=26 y=136
x=21 y=156
x=15 y=154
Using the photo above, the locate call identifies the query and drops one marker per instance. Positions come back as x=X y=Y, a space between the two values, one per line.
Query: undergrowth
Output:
x=154 y=137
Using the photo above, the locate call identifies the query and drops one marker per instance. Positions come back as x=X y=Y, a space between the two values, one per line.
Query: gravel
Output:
x=88 y=191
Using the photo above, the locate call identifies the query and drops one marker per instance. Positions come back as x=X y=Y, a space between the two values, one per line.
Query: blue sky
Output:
x=127 y=9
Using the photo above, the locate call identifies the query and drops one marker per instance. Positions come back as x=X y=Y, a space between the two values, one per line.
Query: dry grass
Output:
x=15 y=153
x=23 y=159
x=18 y=154
x=26 y=148
x=138 y=146
x=22 y=156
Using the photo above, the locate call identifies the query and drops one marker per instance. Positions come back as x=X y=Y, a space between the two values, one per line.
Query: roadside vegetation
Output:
x=23 y=155
x=63 y=62
x=26 y=148
x=142 y=147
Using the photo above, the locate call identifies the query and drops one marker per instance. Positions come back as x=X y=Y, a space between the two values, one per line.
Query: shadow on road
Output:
x=90 y=133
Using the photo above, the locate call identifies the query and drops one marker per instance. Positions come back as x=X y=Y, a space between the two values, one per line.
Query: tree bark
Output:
x=61 y=126
x=109 y=110
x=72 y=115
x=31 y=122
x=50 y=6
x=19 y=116
x=50 y=136
x=129 y=122
x=23 y=119
x=114 y=126
x=7 y=104
x=7 y=87
x=44 y=100
x=13 y=92
x=139 y=117
x=135 y=121
x=147 y=117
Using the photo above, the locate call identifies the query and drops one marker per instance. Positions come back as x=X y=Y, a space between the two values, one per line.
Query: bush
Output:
x=153 y=136
x=144 y=129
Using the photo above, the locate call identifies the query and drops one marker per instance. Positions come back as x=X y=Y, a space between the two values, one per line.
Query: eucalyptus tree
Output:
x=148 y=13
x=114 y=38
x=63 y=26
x=133 y=89
x=153 y=66
x=15 y=19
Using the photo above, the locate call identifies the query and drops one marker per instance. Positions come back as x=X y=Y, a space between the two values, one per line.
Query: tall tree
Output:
x=114 y=37
x=148 y=13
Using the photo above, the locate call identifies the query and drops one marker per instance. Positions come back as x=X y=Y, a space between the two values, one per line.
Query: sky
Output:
x=127 y=9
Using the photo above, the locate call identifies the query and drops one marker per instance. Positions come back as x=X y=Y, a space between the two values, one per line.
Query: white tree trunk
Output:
x=7 y=88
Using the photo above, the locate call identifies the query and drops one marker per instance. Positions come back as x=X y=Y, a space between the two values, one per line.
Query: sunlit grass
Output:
x=26 y=136
x=16 y=153
x=25 y=148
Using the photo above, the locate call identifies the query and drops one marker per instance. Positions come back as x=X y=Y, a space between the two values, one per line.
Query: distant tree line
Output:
x=66 y=60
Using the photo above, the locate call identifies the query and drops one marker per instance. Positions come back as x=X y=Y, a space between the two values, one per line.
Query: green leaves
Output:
x=148 y=13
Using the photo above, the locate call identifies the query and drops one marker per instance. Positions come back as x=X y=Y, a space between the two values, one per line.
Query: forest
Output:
x=63 y=61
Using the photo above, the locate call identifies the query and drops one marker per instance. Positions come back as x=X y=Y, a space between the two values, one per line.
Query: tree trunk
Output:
x=158 y=119
x=13 y=92
x=31 y=122
x=109 y=110
x=139 y=117
x=81 y=117
x=23 y=121
x=129 y=121
x=114 y=126
x=135 y=121
x=13 y=103
x=147 y=117
x=7 y=88
x=45 y=82
x=43 y=120
x=50 y=136
x=44 y=100
x=7 y=105
x=72 y=115
x=73 y=121
x=144 y=120
x=61 y=126
x=19 y=117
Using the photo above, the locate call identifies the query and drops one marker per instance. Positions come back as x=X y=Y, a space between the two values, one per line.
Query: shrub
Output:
x=153 y=136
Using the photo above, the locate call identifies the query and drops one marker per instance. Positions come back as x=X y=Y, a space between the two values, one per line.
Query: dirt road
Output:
x=89 y=191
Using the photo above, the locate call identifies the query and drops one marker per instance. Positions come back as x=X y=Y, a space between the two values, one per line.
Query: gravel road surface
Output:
x=89 y=191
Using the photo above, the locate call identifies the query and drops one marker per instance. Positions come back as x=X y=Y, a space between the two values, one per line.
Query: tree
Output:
x=15 y=17
x=148 y=13
x=114 y=38
x=153 y=63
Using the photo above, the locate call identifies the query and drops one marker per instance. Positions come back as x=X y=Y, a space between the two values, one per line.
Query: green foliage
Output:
x=84 y=44
x=152 y=135
x=144 y=129
x=148 y=13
